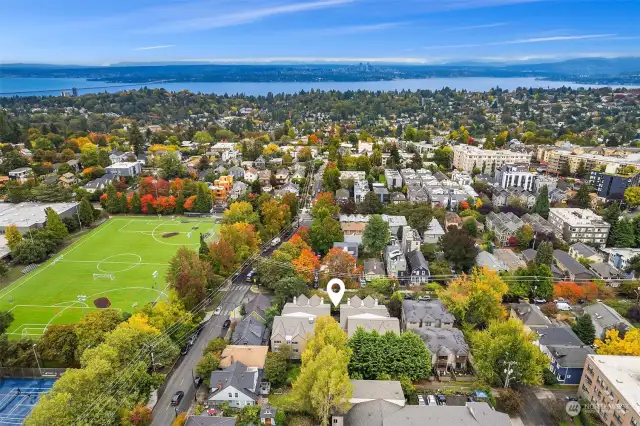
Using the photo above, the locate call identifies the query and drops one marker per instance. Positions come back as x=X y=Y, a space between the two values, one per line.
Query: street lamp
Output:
x=508 y=371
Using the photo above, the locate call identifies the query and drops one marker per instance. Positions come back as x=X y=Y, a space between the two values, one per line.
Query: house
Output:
x=238 y=189
x=449 y=350
x=372 y=322
x=573 y=269
x=421 y=314
x=268 y=415
x=282 y=175
x=204 y=420
x=251 y=175
x=579 y=250
x=264 y=176
x=567 y=362
x=74 y=164
x=509 y=259
x=484 y=259
x=67 y=180
x=342 y=196
x=393 y=178
x=529 y=255
x=260 y=163
x=373 y=269
x=383 y=413
x=373 y=390
x=357 y=306
x=350 y=248
x=395 y=222
x=360 y=190
x=503 y=225
x=21 y=174
x=293 y=329
x=605 y=271
x=530 y=315
x=236 y=172
x=249 y=331
x=251 y=356
x=237 y=385
x=606 y=318
x=353 y=231
x=434 y=232
x=557 y=335
x=128 y=169
x=395 y=261
x=257 y=306
x=117 y=156
x=410 y=239
x=99 y=184
x=419 y=267
x=452 y=219
x=381 y=192
x=313 y=305
x=397 y=197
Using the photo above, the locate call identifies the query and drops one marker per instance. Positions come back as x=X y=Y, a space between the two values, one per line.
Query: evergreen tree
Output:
x=582 y=197
x=136 y=204
x=112 y=204
x=582 y=169
x=180 y=203
x=204 y=249
x=55 y=225
x=203 y=199
x=376 y=234
x=85 y=211
x=124 y=204
x=371 y=204
x=542 y=202
x=135 y=139
x=622 y=234
x=584 y=329
x=612 y=216
x=544 y=255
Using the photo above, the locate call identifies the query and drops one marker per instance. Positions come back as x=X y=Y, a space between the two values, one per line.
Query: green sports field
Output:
x=117 y=261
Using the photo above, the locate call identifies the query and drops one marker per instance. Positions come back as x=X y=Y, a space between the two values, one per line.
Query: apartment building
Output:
x=573 y=225
x=612 y=185
x=610 y=384
x=516 y=176
x=467 y=157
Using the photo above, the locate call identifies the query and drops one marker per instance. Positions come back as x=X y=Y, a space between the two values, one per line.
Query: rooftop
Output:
x=578 y=217
x=624 y=373
x=28 y=214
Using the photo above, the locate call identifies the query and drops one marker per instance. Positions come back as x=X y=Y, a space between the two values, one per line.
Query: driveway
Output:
x=534 y=412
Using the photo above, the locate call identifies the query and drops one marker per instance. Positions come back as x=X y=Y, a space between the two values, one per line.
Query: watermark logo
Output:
x=572 y=408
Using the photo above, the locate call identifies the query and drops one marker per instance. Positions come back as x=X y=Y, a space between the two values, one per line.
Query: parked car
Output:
x=407 y=296
x=226 y=324
x=563 y=306
x=275 y=241
x=442 y=400
x=421 y=400
x=218 y=311
x=250 y=275
x=177 y=397
x=192 y=339
x=539 y=300
x=185 y=349
x=424 y=298
x=197 y=381
x=431 y=400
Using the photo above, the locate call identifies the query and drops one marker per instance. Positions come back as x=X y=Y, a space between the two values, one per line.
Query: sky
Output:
x=314 y=31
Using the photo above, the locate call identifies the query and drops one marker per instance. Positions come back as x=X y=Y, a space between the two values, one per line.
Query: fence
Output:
x=37 y=373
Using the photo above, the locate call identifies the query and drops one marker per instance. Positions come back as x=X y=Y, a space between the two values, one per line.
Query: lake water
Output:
x=53 y=86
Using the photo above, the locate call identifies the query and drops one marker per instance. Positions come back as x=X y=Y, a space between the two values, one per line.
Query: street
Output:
x=182 y=378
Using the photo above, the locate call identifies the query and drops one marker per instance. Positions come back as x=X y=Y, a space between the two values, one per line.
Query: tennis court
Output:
x=19 y=396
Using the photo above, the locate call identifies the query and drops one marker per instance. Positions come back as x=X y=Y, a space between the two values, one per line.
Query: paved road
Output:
x=533 y=412
x=181 y=379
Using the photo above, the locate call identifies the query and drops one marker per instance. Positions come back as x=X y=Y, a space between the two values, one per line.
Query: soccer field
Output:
x=112 y=265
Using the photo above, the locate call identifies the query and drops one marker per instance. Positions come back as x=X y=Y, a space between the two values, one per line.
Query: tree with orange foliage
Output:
x=303 y=232
x=306 y=264
x=297 y=242
x=181 y=420
x=313 y=139
x=465 y=205
x=140 y=416
x=146 y=204
x=189 y=203
x=590 y=291
x=341 y=264
x=176 y=186
x=165 y=205
x=568 y=290
x=324 y=205
x=223 y=257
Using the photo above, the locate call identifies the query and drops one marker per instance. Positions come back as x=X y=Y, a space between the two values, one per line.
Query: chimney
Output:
x=219 y=385
x=375 y=302
x=294 y=299
x=348 y=301
x=322 y=300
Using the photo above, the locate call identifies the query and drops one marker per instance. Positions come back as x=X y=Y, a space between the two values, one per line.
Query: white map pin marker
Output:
x=335 y=288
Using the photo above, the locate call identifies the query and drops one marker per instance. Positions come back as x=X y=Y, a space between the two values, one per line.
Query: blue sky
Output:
x=409 y=31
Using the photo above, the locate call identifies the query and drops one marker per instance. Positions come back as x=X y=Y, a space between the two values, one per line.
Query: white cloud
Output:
x=362 y=28
x=164 y=46
x=208 y=19
x=476 y=27
x=525 y=41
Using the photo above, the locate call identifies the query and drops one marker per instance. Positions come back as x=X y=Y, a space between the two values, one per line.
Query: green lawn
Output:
x=125 y=248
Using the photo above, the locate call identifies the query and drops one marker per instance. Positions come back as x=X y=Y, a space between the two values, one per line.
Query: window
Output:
x=230 y=395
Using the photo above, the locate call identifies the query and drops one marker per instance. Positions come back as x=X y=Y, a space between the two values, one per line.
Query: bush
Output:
x=510 y=401
x=549 y=378
x=549 y=309
x=633 y=313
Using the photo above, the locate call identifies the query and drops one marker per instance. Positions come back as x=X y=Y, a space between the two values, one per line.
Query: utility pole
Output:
x=509 y=370
x=37 y=360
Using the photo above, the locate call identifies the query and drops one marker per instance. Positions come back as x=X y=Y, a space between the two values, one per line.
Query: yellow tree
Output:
x=614 y=345
x=475 y=299
x=13 y=236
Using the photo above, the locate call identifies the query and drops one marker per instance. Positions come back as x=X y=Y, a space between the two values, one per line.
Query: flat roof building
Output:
x=573 y=225
x=31 y=215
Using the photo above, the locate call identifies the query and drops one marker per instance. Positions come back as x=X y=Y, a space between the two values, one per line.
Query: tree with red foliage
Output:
x=513 y=241
x=341 y=264
x=568 y=290
x=465 y=205
x=140 y=416
x=165 y=205
x=148 y=187
x=176 y=186
x=146 y=203
x=306 y=264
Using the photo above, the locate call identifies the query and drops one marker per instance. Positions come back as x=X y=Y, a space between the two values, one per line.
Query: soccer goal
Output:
x=103 y=277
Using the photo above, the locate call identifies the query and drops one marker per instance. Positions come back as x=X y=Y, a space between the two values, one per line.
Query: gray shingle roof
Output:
x=570 y=356
x=558 y=336
x=604 y=315
x=237 y=375
x=473 y=414
x=377 y=389
x=258 y=305
x=210 y=421
x=417 y=260
x=415 y=310
x=443 y=341
x=249 y=331
x=530 y=315
x=569 y=263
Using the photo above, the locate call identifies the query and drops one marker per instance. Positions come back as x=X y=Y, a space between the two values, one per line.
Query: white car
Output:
x=275 y=242
x=218 y=311
x=563 y=306
x=431 y=400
